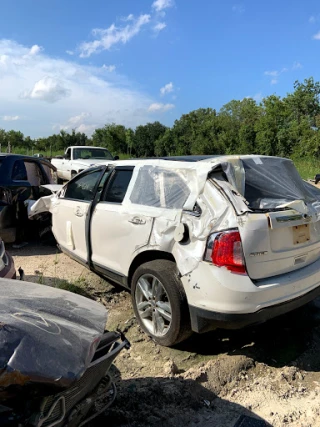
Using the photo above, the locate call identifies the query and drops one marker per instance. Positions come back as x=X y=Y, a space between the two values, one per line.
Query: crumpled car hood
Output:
x=47 y=335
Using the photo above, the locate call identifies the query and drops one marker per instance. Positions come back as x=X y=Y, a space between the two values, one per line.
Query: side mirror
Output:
x=116 y=158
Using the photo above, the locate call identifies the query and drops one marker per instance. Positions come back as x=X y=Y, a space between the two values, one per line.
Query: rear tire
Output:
x=160 y=303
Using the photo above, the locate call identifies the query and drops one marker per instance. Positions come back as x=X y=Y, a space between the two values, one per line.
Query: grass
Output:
x=77 y=286
x=307 y=167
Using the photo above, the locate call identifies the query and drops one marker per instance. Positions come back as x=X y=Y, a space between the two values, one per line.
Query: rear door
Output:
x=116 y=231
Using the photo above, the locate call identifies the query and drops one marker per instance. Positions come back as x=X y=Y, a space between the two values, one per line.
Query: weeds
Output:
x=307 y=167
x=78 y=286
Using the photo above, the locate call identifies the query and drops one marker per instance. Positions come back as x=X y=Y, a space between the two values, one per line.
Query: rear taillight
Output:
x=225 y=250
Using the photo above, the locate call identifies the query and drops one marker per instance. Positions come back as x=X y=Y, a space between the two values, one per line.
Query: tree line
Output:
x=277 y=126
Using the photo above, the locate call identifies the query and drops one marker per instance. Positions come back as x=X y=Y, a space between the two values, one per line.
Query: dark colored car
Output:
x=21 y=179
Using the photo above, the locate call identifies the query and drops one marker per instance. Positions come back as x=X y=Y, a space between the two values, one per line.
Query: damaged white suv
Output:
x=201 y=242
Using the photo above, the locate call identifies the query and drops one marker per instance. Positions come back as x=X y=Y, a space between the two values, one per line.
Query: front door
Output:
x=70 y=213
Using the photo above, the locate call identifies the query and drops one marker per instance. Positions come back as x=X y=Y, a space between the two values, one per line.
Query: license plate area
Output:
x=301 y=234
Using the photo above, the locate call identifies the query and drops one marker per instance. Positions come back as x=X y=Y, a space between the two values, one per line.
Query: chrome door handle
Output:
x=138 y=221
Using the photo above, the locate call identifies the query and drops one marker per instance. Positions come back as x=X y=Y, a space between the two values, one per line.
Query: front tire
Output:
x=160 y=303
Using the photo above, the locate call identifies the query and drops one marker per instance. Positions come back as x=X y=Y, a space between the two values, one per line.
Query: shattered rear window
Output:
x=271 y=182
x=160 y=187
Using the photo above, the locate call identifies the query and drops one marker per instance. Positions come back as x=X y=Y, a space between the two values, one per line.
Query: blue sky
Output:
x=81 y=64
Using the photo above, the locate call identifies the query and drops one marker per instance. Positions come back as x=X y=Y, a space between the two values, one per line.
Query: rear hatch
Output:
x=282 y=232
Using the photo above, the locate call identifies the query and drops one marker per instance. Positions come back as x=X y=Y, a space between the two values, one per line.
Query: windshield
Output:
x=92 y=153
x=273 y=181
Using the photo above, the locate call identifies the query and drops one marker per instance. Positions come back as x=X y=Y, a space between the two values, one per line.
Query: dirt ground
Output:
x=270 y=372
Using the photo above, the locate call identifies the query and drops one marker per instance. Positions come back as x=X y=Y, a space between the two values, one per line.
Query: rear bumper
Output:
x=205 y=320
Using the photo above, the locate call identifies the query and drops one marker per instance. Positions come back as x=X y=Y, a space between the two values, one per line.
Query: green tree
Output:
x=272 y=127
x=145 y=138
x=3 y=140
x=14 y=139
x=111 y=136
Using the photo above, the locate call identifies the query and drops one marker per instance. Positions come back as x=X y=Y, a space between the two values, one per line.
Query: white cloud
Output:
x=75 y=120
x=77 y=89
x=275 y=74
x=296 y=65
x=87 y=129
x=238 y=8
x=160 y=5
x=106 y=38
x=166 y=88
x=316 y=36
x=158 y=107
x=35 y=49
x=314 y=18
x=271 y=73
x=47 y=89
x=70 y=52
x=10 y=118
x=109 y=68
x=159 y=27
x=128 y=18
x=80 y=123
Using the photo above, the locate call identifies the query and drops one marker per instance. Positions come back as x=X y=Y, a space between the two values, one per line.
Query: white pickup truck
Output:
x=78 y=158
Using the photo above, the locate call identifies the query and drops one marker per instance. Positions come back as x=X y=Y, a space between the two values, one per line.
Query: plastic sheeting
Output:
x=161 y=187
x=272 y=182
x=47 y=335
x=234 y=170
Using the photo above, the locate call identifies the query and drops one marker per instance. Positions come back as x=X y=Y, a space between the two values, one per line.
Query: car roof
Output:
x=14 y=157
x=191 y=158
x=187 y=160
x=87 y=146
x=18 y=156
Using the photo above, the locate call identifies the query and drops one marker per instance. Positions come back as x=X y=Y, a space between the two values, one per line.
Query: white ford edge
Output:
x=202 y=242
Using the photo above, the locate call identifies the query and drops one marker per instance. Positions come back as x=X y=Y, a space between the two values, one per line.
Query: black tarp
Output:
x=47 y=336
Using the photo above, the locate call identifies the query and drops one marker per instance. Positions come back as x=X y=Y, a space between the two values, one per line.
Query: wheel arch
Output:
x=146 y=256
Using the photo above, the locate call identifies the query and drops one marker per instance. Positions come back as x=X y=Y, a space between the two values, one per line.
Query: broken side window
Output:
x=160 y=187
